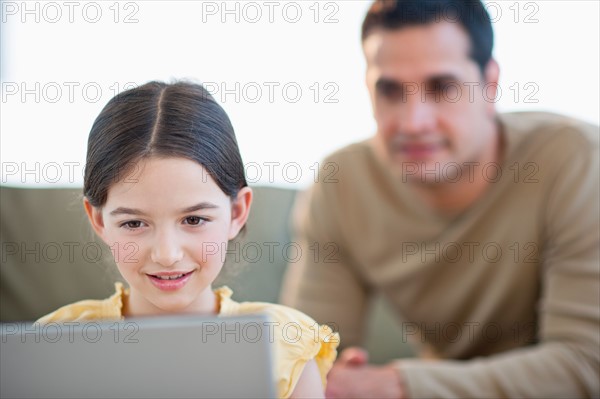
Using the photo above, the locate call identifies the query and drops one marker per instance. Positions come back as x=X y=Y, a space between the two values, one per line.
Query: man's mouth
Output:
x=419 y=150
x=420 y=147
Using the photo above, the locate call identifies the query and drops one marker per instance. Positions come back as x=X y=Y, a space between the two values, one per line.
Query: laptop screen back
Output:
x=174 y=356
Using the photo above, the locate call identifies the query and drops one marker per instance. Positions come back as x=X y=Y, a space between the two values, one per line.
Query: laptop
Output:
x=161 y=357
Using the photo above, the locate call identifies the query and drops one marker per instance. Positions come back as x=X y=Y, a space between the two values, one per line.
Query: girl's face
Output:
x=168 y=224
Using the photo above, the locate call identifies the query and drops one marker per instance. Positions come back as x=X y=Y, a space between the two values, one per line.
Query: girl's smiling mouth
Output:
x=170 y=281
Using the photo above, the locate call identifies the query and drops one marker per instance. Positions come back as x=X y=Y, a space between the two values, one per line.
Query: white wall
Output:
x=58 y=72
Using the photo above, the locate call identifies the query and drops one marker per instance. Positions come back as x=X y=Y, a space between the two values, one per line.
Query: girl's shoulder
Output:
x=298 y=338
x=89 y=309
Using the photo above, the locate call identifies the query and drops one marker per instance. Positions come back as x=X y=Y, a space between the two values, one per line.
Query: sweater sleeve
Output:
x=566 y=360
x=324 y=282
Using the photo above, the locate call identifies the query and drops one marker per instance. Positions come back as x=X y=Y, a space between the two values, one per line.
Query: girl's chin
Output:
x=178 y=303
x=152 y=300
x=165 y=308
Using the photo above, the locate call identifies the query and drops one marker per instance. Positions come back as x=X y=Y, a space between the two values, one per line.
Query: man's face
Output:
x=433 y=107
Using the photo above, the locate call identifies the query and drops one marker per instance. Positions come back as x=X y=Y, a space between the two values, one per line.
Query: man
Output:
x=480 y=229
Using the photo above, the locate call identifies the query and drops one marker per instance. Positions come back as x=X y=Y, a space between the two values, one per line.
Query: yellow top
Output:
x=312 y=341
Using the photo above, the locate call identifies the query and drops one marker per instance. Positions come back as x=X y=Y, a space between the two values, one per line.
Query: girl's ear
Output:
x=95 y=217
x=240 y=209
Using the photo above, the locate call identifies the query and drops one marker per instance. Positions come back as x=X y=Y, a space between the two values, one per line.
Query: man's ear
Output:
x=491 y=74
x=240 y=210
x=95 y=217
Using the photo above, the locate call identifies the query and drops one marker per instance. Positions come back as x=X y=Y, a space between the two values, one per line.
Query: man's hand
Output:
x=352 y=377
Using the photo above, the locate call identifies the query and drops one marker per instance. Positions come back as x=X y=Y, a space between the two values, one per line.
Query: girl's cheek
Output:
x=126 y=251
x=211 y=251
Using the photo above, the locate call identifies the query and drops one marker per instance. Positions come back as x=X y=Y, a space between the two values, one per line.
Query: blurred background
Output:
x=290 y=74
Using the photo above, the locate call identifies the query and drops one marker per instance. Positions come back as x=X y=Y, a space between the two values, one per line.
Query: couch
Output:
x=50 y=257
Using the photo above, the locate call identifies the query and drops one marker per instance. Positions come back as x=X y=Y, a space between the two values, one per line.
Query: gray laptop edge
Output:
x=162 y=357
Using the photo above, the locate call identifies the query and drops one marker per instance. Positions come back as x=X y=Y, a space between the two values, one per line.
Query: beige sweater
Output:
x=507 y=293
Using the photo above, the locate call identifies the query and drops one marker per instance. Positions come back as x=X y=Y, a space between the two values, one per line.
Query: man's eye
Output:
x=194 y=220
x=391 y=92
x=435 y=87
x=441 y=86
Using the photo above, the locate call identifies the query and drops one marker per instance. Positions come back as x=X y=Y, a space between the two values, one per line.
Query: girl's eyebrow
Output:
x=125 y=211
x=131 y=211
x=200 y=206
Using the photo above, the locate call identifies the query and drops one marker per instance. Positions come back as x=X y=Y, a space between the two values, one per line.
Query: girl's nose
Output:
x=166 y=250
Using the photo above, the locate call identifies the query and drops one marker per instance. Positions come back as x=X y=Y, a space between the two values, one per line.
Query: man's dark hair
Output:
x=470 y=14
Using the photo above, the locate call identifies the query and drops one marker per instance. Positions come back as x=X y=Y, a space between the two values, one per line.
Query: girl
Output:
x=164 y=182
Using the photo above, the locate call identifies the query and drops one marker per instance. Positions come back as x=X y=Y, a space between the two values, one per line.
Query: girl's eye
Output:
x=132 y=224
x=194 y=220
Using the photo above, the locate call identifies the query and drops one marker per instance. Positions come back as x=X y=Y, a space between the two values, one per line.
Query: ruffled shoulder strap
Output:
x=297 y=337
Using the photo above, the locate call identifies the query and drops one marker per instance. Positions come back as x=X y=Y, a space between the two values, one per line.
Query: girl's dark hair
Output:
x=470 y=14
x=161 y=120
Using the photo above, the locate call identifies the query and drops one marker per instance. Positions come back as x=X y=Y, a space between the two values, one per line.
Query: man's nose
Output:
x=416 y=115
x=166 y=250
